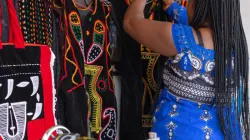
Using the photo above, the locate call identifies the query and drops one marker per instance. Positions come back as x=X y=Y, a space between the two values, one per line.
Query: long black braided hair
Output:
x=231 y=60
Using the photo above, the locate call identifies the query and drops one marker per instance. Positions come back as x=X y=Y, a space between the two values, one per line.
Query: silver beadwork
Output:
x=186 y=89
x=173 y=112
x=171 y=127
x=208 y=132
x=206 y=116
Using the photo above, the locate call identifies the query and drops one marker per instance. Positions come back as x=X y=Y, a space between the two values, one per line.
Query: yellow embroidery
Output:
x=149 y=86
x=147 y=121
x=145 y=49
x=152 y=59
x=74 y=18
x=67 y=51
x=87 y=33
x=99 y=27
x=96 y=101
x=146 y=90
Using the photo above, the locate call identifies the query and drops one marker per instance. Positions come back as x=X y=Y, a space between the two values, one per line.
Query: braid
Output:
x=201 y=11
x=231 y=60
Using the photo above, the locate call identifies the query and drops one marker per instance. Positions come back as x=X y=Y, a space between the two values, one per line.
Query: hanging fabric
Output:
x=5 y=26
x=150 y=73
x=35 y=18
x=129 y=67
x=141 y=67
x=27 y=94
x=86 y=81
x=71 y=89
x=58 y=37
x=98 y=78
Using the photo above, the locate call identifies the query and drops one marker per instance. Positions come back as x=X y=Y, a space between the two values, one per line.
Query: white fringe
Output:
x=52 y=62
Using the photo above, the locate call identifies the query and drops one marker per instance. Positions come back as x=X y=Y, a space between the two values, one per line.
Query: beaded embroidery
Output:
x=171 y=127
x=208 y=132
x=206 y=116
x=187 y=89
x=173 y=112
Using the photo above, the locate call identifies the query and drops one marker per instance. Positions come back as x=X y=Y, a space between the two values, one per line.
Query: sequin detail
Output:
x=205 y=116
x=207 y=132
x=171 y=127
x=173 y=112
x=160 y=105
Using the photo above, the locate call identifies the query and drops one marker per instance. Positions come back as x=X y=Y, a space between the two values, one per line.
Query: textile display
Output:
x=98 y=80
x=35 y=18
x=71 y=89
x=129 y=68
x=27 y=94
x=86 y=82
x=58 y=37
x=141 y=67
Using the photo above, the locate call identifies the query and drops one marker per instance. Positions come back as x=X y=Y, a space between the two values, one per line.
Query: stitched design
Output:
x=92 y=74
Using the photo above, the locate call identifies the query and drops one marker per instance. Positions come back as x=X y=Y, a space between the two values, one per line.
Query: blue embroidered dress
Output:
x=185 y=108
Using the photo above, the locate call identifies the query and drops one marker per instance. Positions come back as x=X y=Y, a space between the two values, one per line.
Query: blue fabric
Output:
x=178 y=13
x=185 y=44
x=185 y=120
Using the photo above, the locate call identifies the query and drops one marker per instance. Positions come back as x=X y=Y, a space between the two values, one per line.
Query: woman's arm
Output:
x=156 y=35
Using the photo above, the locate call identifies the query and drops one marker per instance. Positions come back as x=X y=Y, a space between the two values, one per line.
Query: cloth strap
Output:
x=199 y=38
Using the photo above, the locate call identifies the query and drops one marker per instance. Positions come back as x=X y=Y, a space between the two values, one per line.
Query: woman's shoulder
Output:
x=185 y=35
x=206 y=36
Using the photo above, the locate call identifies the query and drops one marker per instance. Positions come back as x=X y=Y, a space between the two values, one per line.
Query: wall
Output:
x=245 y=12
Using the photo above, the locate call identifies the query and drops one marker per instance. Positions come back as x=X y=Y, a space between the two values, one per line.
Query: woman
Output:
x=206 y=73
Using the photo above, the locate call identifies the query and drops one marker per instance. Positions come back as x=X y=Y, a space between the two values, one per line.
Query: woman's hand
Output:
x=166 y=4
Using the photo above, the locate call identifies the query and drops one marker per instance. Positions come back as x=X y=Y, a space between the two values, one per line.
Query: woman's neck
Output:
x=206 y=24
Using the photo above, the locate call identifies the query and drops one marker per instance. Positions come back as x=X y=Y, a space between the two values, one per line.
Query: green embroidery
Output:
x=77 y=32
x=99 y=39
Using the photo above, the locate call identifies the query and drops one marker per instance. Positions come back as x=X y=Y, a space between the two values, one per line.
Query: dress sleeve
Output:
x=182 y=37
x=178 y=13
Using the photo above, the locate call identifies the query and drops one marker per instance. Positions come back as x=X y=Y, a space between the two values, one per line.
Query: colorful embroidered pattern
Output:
x=102 y=85
x=76 y=29
x=97 y=73
x=36 y=21
x=27 y=22
x=149 y=60
x=86 y=64
x=96 y=50
x=48 y=25
x=94 y=53
x=109 y=131
x=72 y=80
x=40 y=22
x=75 y=76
